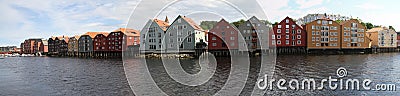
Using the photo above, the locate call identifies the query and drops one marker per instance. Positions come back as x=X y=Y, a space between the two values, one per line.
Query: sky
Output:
x=22 y=19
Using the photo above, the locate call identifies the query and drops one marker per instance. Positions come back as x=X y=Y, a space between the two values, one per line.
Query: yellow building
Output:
x=323 y=34
x=382 y=37
x=353 y=35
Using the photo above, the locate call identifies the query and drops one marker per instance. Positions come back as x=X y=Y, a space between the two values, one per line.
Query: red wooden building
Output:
x=398 y=39
x=100 y=44
x=289 y=37
x=222 y=38
x=120 y=39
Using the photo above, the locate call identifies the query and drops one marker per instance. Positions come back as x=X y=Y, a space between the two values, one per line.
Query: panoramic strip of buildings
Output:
x=314 y=33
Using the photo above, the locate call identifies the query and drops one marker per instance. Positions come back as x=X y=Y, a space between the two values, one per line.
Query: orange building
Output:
x=353 y=35
x=323 y=34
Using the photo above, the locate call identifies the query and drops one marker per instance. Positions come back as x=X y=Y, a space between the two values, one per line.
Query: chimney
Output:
x=166 y=19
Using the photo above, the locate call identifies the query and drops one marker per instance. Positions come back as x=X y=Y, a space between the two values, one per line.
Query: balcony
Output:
x=254 y=40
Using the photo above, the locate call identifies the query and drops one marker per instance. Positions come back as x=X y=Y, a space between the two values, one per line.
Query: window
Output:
x=179 y=20
x=287 y=36
x=223 y=44
x=214 y=44
x=279 y=26
x=232 y=32
x=293 y=26
x=278 y=31
x=278 y=36
x=179 y=33
x=298 y=42
x=287 y=26
x=299 y=31
x=287 y=42
x=287 y=20
x=298 y=36
x=273 y=37
x=278 y=42
x=287 y=31
x=189 y=39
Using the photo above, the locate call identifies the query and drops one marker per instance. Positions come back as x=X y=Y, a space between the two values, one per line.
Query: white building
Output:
x=152 y=34
x=311 y=17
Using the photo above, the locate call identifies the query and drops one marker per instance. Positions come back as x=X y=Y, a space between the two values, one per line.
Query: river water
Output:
x=40 y=76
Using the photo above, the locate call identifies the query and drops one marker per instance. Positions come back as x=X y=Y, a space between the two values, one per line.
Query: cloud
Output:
x=369 y=6
x=29 y=19
x=275 y=9
x=308 y=3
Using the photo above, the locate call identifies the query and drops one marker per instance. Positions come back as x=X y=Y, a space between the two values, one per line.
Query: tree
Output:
x=266 y=22
x=276 y=23
x=369 y=25
x=339 y=21
x=237 y=23
x=207 y=25
x=391 y=27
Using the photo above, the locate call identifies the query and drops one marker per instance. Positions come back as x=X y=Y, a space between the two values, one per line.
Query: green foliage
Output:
x=276 y=23
x=368 y=25
x=266 y=22
x=237 y=23
x=339 y=21
x=207 y=25
x=391 y=27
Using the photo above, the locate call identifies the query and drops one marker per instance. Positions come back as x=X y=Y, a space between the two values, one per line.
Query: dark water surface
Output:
x=42 y=76
x=381 y=68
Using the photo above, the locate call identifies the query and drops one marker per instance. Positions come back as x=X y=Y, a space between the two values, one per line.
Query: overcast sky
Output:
x=22 y=19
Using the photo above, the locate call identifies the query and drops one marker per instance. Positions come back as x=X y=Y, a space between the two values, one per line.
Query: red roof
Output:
x=93 y=34
x=192 y=23
x=128 y=32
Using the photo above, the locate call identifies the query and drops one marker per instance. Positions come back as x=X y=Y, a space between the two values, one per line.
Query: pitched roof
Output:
x=65 y=38
x=162 y=24
x=376 y=29
x=192 y=23
x=224 y=21
x=45 y=42
x=128 y=32
x=93 y=34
